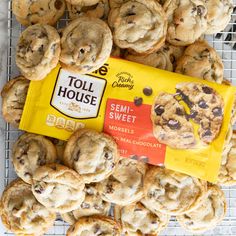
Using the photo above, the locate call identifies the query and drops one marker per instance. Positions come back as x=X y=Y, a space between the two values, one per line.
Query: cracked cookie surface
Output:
x=58 y=188
x=219 y=15
x=92 y=205
x=14 y=95
x=29 y=152
x=125 y=185
x=40 y=11
x=21 y=213
x=186 y=21
x=37 y=51
x=165 y=58
x=99 y=10
x=202 y=61
x=86 y=44
x=95 y=225
x=139 y=25
x=138 y=220
x=172 y=192
x=208 y=214
x=92 y=154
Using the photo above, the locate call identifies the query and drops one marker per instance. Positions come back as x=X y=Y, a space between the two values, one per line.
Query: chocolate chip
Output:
x=76 y=158
x=22 y=162
x=205 y=53
x=144 y=159
x=97 y=229
x=207 y=90
x=108 y=156
x=193 y=114
x=138 y=101
x=202 y=104
x=177 y=39
x=207 y=133
x=109 y=188
x=98 y=208
x=53 y=167
x=173 y=124
x=147 y=91
x=172 y=58
x=38 y=188
x=194 y=9
x=137 y=209
x=182 y=19
x=179 y=111
x=159 y=109
x=134 y=157
x=201 y=10
x=58 y=4
x=217 y=111
x=27 y=174
x=82 y=51
x=41 y=162
x=185 y=98
x=85 y=205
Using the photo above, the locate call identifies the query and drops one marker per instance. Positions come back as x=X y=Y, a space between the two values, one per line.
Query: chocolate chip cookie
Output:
x=172 y=192
x=136 y=219
x=92 y=154
x=187 y=20
x=37 y=51
x=40 y=11
x=21 y=213
x=165 y=58
x=170 y=122
x=125 y=185
x=218 y=15
x=202 y=61
x=139 y=25
x=99 y=10
x=83 y=2
x=14 y=95
x=95 y=225
x=58 y=188
x=206 y=108
x=86 y=44
x=92 y=205
x=227 y=174
x=30 y=152
x=208 y=214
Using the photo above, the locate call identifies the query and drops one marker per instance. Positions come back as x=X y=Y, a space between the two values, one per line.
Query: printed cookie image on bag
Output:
x=172 y=122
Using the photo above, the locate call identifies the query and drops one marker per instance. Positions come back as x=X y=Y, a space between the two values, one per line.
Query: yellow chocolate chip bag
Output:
x=155 y=116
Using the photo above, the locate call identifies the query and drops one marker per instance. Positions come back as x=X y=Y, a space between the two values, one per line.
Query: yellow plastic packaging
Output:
x=117 y=99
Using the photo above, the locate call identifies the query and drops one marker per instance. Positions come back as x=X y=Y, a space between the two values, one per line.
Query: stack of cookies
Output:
x=85 y=180
x=90 y=180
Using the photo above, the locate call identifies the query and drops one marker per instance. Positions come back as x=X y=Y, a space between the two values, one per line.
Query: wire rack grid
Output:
x=225 y=44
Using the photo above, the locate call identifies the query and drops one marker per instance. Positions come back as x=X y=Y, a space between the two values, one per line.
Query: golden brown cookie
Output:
x=58 y=188
x=172 y=192
x=37 y=51
x=93 y=204
x=86 y=44
x=227 y=174
x=29 y=152
x=21 y=213
x=187 y=21
x=138 y=220
x=95 y=225
x=125 y=185
x=92 y=154
x=165 y=58
x=99 y=10
x=202 y=61
x=14 y=95
x=139 y=25
x=218 y=15
x=40 y=11
x=208 y=214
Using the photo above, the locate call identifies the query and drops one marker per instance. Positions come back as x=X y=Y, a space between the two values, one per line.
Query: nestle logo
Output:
x=103 y=70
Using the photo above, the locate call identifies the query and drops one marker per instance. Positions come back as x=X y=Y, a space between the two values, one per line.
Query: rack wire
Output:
x=225 y=44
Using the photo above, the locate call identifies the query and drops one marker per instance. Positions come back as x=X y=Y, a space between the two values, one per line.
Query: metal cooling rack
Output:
x=224 y=43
